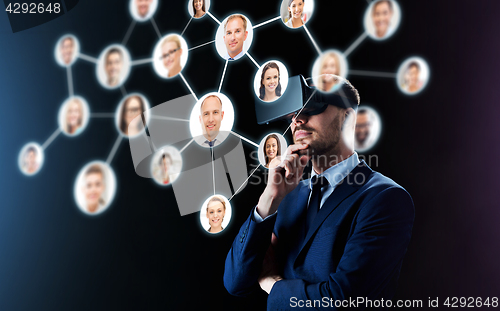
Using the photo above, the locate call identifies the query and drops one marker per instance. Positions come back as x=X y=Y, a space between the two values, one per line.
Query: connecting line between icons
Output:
x=88 y=58
x=314 y=92
x=141 y=61
x=245 y=139
x=102 y=115
x=244 y=183
x=215 y=19
x=199 y=46
x=253 y=60
x=70 y=81
x=187 y=84
x=186 y=26
x=372 y=74
x=124 y=91
x=189 y=143
x=223 y=74
x=158 y=33
x=129 y=32
x=167 y=118
x=51 y=139
x=115 y=148
x=355 y=44
x=213 y=167
x=312 y=40
x=267 y=22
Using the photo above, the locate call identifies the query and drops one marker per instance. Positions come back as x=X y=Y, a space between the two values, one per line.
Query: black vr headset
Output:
x=301 y=98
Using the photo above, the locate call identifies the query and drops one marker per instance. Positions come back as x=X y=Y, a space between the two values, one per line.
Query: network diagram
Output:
x=204 y=152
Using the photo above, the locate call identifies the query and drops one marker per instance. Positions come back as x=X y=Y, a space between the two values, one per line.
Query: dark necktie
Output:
x=211 y=143
x=318 y=183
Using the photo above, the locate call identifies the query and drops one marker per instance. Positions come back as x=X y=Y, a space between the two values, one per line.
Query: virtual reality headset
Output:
x=301 y=98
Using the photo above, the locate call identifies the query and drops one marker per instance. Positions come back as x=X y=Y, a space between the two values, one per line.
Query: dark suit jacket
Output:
x=354 y=248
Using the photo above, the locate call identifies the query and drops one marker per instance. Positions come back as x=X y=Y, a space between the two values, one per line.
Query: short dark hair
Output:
x=414 y=64
x=389 y=3
x=112 y=51
x=31 y=148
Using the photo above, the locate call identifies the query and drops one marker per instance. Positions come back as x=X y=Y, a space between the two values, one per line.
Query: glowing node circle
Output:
x=67 y=50
x=231 y=41
x=142 y=10
x=170 y=56
x=191 y=8
x=30 y=159
x=282 y=75
x=199 y=126
x=166 y=165
x=272 y=146
x=73 y=116
x=331 y=62
x=382 y=19
x=94 y=188
x=128 y=115
x=113 y=66
x=213 y=218
x=413 y=75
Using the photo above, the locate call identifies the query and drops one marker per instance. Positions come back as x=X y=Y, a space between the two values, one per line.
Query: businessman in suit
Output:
x=316 y=243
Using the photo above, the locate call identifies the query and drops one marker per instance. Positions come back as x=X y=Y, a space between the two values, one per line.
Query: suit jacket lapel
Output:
x=343 y=190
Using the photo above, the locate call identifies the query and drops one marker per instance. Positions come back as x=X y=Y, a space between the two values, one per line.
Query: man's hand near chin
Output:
x=270 y=269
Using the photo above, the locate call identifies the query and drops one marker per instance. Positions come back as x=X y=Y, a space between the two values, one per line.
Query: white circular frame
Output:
x=227 y=217
x=76 y=50
x=219 y=38
x=157 y=54
x=135 y=15
x=395 y=21
x=262 y=149
x=176 y=168
x=283 y=79
x=118 y=111
x=40 y=157
x=101 y=64
x=62 y=113
x=226 y=123
x=110 y=190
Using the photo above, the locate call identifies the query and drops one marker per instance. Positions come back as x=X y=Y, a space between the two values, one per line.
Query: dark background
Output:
x=441 y=145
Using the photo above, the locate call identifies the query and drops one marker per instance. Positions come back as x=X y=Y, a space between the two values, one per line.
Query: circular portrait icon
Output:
x=271 y=81
x=368 y=129
x=113 y=66
x=30 y=159
x=67 y=50
x=271 y=150
x=382 y=18
x=329 y=64
x=413 y=75
x=198 y=8
x=142 y=10
x=296 y=13
x=166 y=165
x=130 y=119
x=215 y=214
x=234 y=37
x=73 y=116
x=211 y=119
x=170 y=56
x=95 y=188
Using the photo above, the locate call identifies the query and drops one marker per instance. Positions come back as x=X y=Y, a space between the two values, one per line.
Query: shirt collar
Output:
x=237 y=56
x=339 y=171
